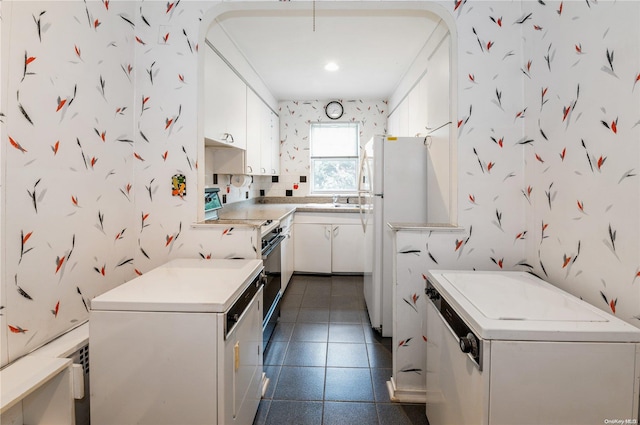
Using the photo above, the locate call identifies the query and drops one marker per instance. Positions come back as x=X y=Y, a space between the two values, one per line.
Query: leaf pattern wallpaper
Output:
x=295 y=118
x=548 y=172
x=100 y=109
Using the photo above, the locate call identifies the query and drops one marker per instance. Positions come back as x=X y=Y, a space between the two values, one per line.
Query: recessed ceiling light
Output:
x=331 y=66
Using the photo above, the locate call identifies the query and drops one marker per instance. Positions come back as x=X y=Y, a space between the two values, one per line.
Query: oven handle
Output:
x=278 y=241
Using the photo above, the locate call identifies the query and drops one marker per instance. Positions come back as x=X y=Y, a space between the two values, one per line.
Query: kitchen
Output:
x=557 y=204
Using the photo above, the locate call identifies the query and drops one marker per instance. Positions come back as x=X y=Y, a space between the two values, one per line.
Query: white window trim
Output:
x=353 y=191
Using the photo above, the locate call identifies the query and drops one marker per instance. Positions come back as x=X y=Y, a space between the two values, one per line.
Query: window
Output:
x=334 y=157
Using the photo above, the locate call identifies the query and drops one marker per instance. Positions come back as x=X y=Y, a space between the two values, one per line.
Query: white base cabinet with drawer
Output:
x=328 y=243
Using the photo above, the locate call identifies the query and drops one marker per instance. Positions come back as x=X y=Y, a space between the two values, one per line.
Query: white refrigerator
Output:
x=393 y=189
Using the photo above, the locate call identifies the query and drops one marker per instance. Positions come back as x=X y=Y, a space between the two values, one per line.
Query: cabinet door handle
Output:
x=263 y=170
x=336 y=230
x=327 y=232
x=250 y=168
x=228 y=136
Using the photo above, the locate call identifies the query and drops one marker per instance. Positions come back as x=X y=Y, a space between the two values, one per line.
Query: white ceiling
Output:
x=373 y=48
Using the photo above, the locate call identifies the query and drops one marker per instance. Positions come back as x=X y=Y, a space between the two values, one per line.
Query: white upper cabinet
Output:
x=225 y=115
x=263 y=137
x=254 y=132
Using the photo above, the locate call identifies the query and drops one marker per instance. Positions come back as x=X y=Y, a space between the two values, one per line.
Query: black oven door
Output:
x=271 y=258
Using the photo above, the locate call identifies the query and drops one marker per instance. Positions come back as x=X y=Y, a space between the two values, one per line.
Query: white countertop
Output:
x=183 y=285
x=507 y=305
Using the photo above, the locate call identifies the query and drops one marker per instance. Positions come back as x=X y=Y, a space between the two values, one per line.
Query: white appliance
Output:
x=181 y=344
x=509 y=348
x=393 y=188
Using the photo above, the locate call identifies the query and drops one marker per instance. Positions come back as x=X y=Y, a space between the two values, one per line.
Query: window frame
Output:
x=357 y=158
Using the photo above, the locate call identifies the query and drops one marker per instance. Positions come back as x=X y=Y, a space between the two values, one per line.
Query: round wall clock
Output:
x=334 y=110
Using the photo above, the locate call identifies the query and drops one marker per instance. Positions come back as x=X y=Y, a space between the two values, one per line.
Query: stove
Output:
x=268 y=226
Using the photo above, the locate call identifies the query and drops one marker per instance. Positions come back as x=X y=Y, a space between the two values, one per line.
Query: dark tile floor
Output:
x=325 y=363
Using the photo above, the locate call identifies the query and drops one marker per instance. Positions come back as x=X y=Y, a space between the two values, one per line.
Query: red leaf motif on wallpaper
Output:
x=93 y=161
x=563 y=153
x=580 y=206
x=521 y=113
x=74 y=201
x=457 y=5
x=16 y=145
x=96 y=23
x=170 y=6
x=77 y=49
x=28 y=60
x=613 y=304
x=164 y=155
x=565 y=112
x=26 y=237
x=601 y=161
x=424 y=277
x=140 y=41
x=424 y=338
x=138 y=156
x=227 y=231
x=560 y=8
x=101 y=135
x=537 y=27
x=579 y=48
x=61 y=103
x=138 y=272
x=458 y=244
x=613 y=126
x=17 y=329
x=490 y=166
x=181 y=77
x=521 y=236
x=489 y=45
x=168 y=240
x=472 y=78
x=405 y=342
x=168 y=122
x=636 y=81
x=565 y=261
x=165 y=37
x=106 y=4
x=59 y=262
x=539 y=158
x=55 y=147
x=56 y=309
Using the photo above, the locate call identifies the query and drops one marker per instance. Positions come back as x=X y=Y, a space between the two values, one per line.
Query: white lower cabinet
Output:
x=287 y=251
x=347 y=253
x=329 y=243
x=313 y=247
